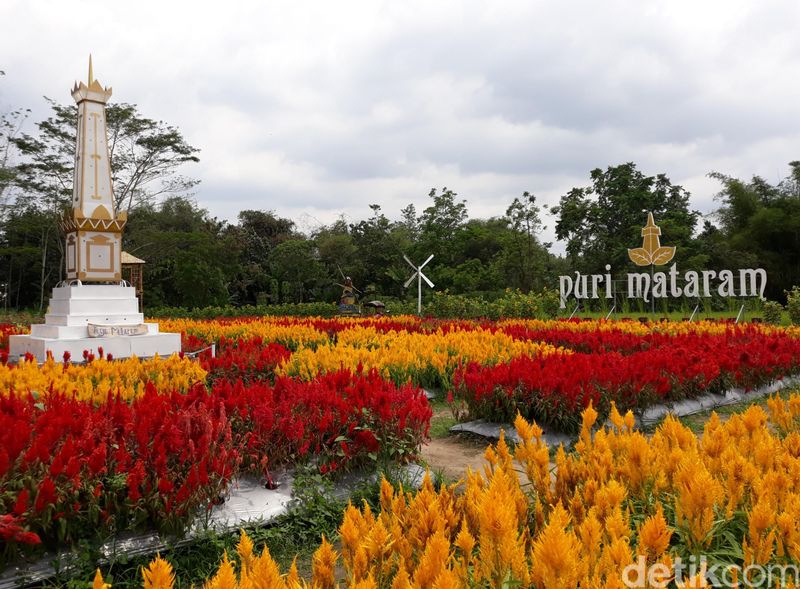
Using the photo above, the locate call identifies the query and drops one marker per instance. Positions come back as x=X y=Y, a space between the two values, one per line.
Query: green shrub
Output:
x=772 y=312
x=445 y=305
x=512 y=304
x=793 y=304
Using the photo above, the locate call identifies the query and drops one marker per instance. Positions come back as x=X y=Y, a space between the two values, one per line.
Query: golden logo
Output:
x=651 y=252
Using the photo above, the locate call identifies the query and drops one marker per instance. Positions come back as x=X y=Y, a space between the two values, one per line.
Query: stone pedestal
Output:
x=74 y=308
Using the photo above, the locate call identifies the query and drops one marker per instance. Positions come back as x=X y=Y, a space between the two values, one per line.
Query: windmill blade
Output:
x=411 y=280
x=425 y=278
x=410 y=263
x=425 y=262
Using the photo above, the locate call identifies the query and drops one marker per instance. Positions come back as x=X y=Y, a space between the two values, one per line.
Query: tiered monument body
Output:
x=86 y=312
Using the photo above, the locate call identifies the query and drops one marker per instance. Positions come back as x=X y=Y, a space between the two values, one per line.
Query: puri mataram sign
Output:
x=670 y=284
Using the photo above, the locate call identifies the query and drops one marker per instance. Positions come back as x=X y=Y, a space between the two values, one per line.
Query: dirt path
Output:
x=452 y=455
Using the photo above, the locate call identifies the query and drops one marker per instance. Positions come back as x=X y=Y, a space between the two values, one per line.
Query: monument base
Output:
x=142 y=346
x=76 y=311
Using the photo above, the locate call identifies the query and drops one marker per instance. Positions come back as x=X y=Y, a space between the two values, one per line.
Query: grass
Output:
x=442 y=419
x=747 y=315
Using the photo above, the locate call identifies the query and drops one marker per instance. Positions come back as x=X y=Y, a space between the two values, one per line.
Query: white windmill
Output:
x=420 y=277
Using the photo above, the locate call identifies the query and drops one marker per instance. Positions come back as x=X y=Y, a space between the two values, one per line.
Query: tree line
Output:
x=196 y=260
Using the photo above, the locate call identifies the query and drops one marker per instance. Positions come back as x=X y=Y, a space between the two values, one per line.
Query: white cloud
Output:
x=317 y=108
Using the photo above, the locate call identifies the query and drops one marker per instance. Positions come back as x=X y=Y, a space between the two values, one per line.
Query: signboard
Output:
x=117 y=330
x=745 y=282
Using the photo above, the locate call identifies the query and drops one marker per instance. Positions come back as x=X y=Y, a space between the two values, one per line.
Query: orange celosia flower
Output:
x=224 y=579
x=323 y=566
x=654 y=535
x=159 y=575
x=98 y=581
x=245 y=551
x=433 y=561
x=556 y=555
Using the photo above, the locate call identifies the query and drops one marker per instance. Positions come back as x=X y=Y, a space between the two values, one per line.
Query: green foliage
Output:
x=293 y=263
x=759 y=227
x=444 y=304
x=187 y=254
x=289 y=309
x=256 y=236
x=793 y=305
x=602 y=221
x=772 y=312
x=10 y=126
x=513 y=303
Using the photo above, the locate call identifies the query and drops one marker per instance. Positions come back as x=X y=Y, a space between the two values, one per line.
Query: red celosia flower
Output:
x=46 y=495
x=21 y=505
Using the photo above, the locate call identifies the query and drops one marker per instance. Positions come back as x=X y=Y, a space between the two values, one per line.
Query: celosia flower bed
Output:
x=545 y=370
x=71 y=468
x=94 y=380
x=90 y=449
x=633 y=371
x=105 y=445
x=619 y=504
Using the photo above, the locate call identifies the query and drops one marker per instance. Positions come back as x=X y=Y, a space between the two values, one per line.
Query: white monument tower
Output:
x=92 y=308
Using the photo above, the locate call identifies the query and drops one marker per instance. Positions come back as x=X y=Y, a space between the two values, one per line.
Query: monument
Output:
x=93 y=307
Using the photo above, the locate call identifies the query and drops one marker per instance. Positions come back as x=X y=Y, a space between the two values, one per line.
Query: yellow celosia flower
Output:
x=158 y=575
x=406 y=356
x=98 y=581
x=401 y=579
x=293 y=577
x=492 y=534
x=433 y=560
x=556 y=555
x=760 y=544
x=323 y=566
x=95 y=380
x=447 y=579
x=698 y=495
x=265 y=572
x=224 y=579
x=654 y=535
x=245 y=551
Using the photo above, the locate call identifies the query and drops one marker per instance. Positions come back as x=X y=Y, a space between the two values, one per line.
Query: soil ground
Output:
x=450 y=457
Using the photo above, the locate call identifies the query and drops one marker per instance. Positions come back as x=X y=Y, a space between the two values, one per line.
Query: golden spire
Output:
x=91 y=89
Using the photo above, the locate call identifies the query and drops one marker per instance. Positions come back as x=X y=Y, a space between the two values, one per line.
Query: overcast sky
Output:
x=314 y=109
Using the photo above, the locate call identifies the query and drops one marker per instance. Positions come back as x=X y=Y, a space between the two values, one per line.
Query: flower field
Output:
x=619 y=500
x=91 y=449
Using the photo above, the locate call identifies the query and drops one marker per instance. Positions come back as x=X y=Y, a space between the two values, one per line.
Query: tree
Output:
x=526 y=257
x=439 y=226
x=26 y=239
x=409 y=222
x=381 y=245
x=294 y=264
x=442 y=219
x=10 y=127
x=145 y=156
x=190 y=259
x=257 y=233
x=760 y=226
x=338 y=255
x=602 y=221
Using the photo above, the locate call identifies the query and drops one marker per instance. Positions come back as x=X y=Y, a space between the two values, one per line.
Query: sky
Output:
x=317 y=109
